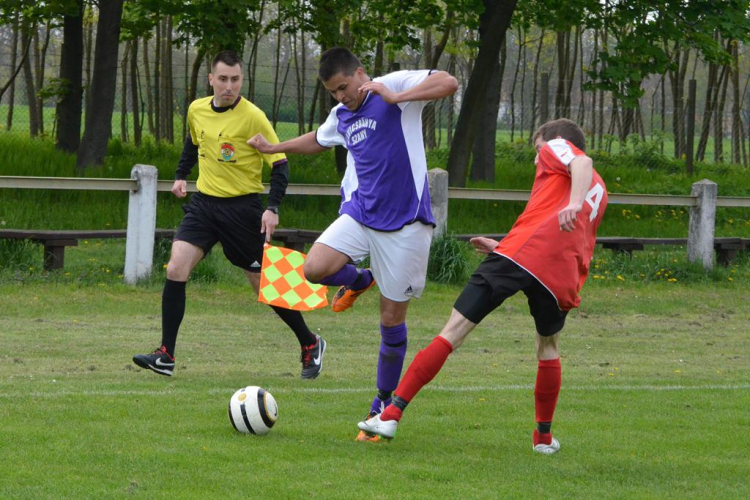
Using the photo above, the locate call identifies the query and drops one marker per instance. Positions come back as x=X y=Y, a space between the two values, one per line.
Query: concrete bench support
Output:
x=702 y=224
x=139 y=247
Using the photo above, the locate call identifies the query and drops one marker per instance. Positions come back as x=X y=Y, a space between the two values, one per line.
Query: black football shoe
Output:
x=158 y=361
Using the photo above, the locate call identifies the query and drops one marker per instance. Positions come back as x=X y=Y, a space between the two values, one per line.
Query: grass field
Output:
x=656 y=386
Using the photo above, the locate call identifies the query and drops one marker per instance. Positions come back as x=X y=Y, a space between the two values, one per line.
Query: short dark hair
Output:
x=337 y=60
x=567 y=129
x=228 y=57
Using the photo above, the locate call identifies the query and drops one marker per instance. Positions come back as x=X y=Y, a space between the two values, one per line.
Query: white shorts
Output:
x=398 y=258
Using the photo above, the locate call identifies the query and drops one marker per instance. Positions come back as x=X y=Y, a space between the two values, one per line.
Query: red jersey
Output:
x=558 y=259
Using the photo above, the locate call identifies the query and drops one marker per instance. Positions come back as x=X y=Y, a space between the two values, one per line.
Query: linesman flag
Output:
x=283 y=284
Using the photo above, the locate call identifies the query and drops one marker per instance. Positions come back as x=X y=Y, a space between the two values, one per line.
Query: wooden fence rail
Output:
x=143 y=186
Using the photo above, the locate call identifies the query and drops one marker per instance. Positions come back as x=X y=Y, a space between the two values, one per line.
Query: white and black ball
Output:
x=253 y=410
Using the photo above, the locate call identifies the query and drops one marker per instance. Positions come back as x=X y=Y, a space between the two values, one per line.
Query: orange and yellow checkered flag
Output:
x=283 y=284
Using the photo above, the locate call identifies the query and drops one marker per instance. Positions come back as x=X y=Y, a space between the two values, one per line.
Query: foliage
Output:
x=448 y=260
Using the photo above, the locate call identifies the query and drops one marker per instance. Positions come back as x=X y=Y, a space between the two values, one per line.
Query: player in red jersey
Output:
x=546 y=255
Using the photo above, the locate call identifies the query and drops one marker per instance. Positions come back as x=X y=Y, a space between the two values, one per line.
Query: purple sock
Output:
x=344 y=276
x=392 y=353
x=379 y=405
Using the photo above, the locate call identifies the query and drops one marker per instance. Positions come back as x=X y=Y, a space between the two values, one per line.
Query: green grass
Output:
x=654 y=399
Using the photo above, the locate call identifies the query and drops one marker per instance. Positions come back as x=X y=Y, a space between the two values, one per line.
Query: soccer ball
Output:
x=253 y=410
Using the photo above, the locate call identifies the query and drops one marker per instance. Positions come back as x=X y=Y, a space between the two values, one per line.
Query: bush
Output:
x=449 y=262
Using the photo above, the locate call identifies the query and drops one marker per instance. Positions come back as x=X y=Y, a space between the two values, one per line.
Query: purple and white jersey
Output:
x=385 y=184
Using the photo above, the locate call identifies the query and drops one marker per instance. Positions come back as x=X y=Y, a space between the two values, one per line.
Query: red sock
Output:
x=548 y=381
x=542 y=438
x=426 y=364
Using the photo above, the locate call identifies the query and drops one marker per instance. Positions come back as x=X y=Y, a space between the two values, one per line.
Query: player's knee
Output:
x=313 y=273
x=177 y=272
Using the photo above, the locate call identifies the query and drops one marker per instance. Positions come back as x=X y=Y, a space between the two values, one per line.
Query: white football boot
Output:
x=548 y=449
x=374 y=425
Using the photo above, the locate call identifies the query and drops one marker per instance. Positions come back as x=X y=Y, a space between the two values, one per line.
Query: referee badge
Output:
x=227 y=151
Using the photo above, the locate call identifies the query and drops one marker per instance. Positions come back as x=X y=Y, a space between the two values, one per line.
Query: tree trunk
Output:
x=252 y=63
x=12 y=82
x=185 y=101
x=124 y=94
x=595 y=66
x=311 y=120
x=299 y=83
x=535 y=91
x=70 y=107
x=708 y=108
x=494 y=22
x=134 y=94
x=483 y=165
x=563 y=55
x=736 y=117
x=103 y=86
x=88 y=47
x=28 y=77
x=157 y=83
x=521 y=47
x=40 y=74
x=167 y=83
x=719 y=118
x=194 y=72
x=276 y=77
x=149 y=89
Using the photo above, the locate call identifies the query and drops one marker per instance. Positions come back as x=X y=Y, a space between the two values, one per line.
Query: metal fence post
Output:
x=702 y=224
x=139 y=246
x=438 y=181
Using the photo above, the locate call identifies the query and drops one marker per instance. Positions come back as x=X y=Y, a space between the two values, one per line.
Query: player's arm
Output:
x=188 y=159
x=305 y=144
x=436 y=86
x=581 y=173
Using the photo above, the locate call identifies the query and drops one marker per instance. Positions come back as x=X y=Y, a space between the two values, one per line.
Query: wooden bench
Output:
x=726 y=247
x=54 y=242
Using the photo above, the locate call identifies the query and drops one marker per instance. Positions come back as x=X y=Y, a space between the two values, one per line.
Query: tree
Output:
x=103 y=85
x=494 y=22
x=70 y=106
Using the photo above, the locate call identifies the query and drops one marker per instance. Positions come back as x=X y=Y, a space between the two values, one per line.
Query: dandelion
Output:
x=637 y=217
x=730 y=278
x=85 y=242
x=678 y=371
x=731 y=221
x=165 y=266
x=31 y=268
x=672 y=280
x=620 y=278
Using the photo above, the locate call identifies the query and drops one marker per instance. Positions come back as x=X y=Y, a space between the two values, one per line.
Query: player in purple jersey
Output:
x=385 y=200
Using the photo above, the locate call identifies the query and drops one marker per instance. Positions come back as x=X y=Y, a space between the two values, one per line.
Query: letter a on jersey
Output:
x=283 y=284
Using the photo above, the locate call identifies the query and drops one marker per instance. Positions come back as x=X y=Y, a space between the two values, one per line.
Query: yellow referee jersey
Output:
x=227 y=165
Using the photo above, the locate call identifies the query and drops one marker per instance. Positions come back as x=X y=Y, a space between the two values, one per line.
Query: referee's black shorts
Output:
x=498 y=278
x=234 y=222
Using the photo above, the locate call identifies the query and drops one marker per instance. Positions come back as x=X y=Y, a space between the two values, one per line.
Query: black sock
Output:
x=399 y=403
x=544 y=427
x=296 y=322
x=384 y=395
x=172 y=312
